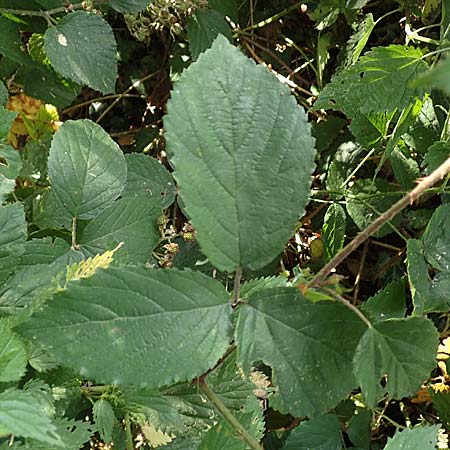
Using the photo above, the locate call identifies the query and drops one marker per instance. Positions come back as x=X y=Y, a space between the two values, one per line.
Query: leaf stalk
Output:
x=228 y=416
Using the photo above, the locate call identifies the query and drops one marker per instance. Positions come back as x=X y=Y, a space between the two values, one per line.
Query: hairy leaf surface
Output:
x=309 y=346
x=243 y=156
x=402 y=349
x=123 y=323
x=379 y=82
x=86 y=167
x=82 y=48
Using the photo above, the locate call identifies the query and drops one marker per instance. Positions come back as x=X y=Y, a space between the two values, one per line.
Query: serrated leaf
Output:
x=86 y=167
x=10 y=42
x=129 y=220
x=21 y=414
x=333 y=232
x=170 y=324
x=406 y=169
x=436 y=155
x=104 y=419
x=258 y=284
x=223 y=437
x=367 y=200
x=358 y=41
x=438 y=77
x=320 y=433
x=82 y=48
x=147 y=177
x=417 y=275
x=226 y=7
x=436 y=239
x=203 y=28
x=13 y=234
x=403 y=350
x=10 y=162
x=359 y=429
x=304 y=344
x=127 y=6
x=379 y=82
x=43 y=251
x=50 y=212
x=13 y=354
x=390 y=302
x=6 y=119
x=420 y=438
x=244 y=197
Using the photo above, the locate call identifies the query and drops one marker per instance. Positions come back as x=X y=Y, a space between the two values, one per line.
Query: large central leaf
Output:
x=136 y=326
x=243 y=155
x=309 y=346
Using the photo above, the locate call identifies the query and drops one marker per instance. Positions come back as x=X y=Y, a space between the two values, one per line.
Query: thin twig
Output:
x=228 y=416
x=360 y=271
x=49 y=12
x=99 y=99
x=349 y=305
x=129 y=436
x=408 y=199
x=275 y=17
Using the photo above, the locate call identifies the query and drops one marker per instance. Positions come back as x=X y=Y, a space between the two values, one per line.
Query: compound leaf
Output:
x=243 y=156
x=305 y=345
x=82 y=48
x=320 y=433
x=420 y=438
x=86 y=167
x=125 y=322
x=404 y=350
x=379 y=82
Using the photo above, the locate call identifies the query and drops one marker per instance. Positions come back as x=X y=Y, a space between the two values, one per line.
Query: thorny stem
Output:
x=349 y=305
x=408 y=199
x=49 y=12
x=228 y=416
x=237 y=286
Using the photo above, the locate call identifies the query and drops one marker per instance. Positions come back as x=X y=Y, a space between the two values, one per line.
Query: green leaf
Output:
x=418 y=276
x=13 y=234
x=359 y=429
x=129 y=220
x=320 y=433
x=358 y=41
x=405 y=168
x=402 y=349
x=168 y=324
x=379 y=82
x=147 y=177
x=226 y=7
x=104 y=419
x=436 y=239
x=388 y=303
x=303 y=343
x=43 y=251
x=244 y=198
x=11 y=42
x=11 y=165
x=3 y=94
x=258 y=284
x=82 y=48
x=420 y=438
x=13 y=354
x=369 y=129
x=49 y=212
x=127 y=6
x=436 y=155
x=6 y=119
x=21 y=414
x=86 y=167
x=333 y=232
x=367 y=200
x=438 y=77
x=203 y=28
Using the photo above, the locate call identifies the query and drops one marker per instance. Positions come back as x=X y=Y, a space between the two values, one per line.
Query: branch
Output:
x=49 y=12
x=228 y=416
x=237 y=286
x=408 y=199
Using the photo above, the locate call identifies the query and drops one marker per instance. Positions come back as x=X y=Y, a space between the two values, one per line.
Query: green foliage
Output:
x=91 y=63
x=204 y=139
x=159 y=259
